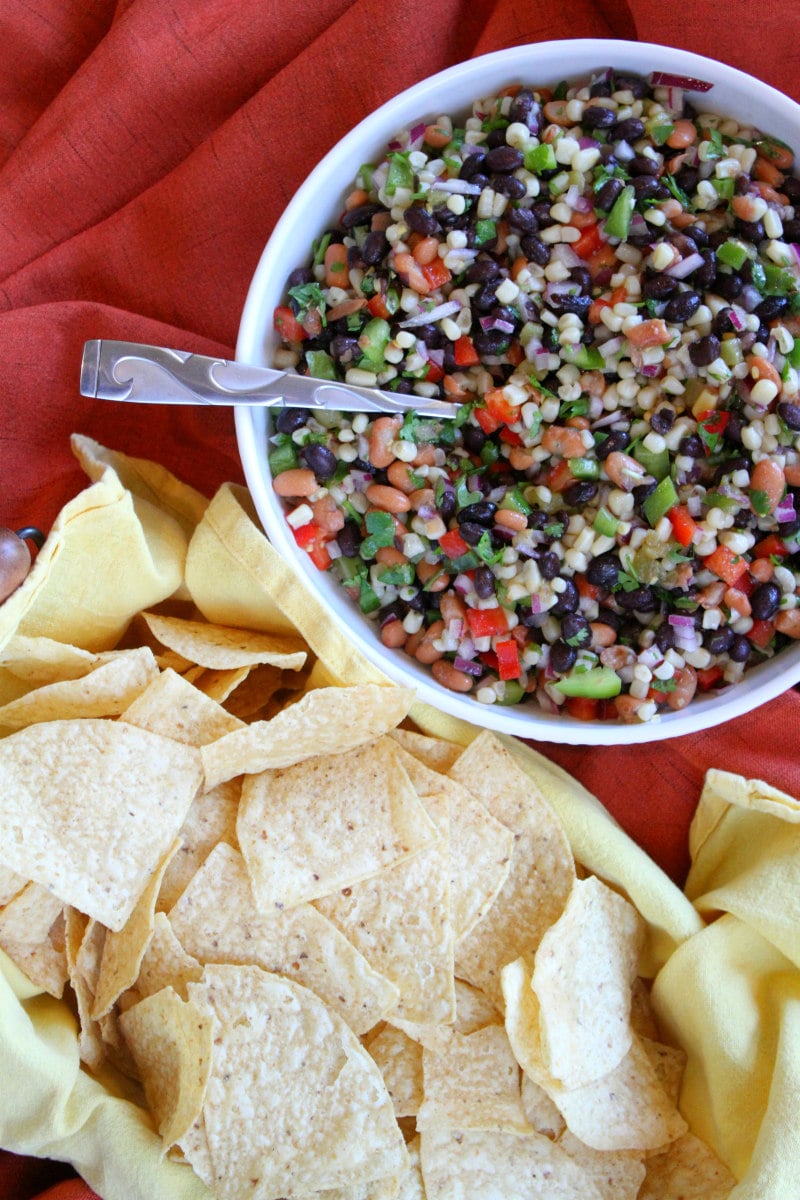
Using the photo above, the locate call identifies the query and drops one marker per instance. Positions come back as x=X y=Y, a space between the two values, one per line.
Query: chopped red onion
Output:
x=639 y=226
x=394 y=144
x=750 y=297
x=650 y=370
x=607 y=419
x=685 y=266
x=668 y=80
x=624 y=151
x=532 y=348
x=489 y=323
x=785 y=511
x=611 y=347
x=468 y=666
x=436 y=356
x=681 y=621
x=361 y=479
x=562 y=287
x=461 y=187
x=427 y=512
x=497 y=494
x=695 y=505
x=587 y=143
x=455 y=628
x=463 y=584
x=417 y=136
x=582 y=205
x=436 y=314
x=735 y=320
x=571 y=195
x=536 y=603
x=675 y=99
x=562 y=252
x=796 y=251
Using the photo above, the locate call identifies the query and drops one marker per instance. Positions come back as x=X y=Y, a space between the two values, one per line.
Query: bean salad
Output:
x=604 y=280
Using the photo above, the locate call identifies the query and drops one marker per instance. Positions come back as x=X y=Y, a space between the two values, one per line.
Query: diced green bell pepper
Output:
x=618 y=221
x=587 y=358
x=659 y=502
x=598 y=683
x=605 y=523
x=655 y=463
x=733 y=253
x=320 y=364
x=374 y=339
x=584 y=468
x=540 y=158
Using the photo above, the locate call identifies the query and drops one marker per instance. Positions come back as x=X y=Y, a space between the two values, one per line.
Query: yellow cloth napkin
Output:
x=727 y=987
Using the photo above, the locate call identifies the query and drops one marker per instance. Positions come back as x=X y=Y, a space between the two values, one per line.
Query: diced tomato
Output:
x=515 y=354
x=714 y=421
x=453 y=544
x=487 y=422
x=436 y=274
x=287 y=324
x=649 y=333
x=464 y=352
x=726 y=565
x=312 y=539
x=684 y=526
x=589 y=590
x=589 y=242
x=762 y=633
x=603 y=259
x=306 y=535
x=489 y=659
x=434 y=372
x=508 y=664
x=510 y=437
x=771 y=544
x=487 y=622
x=378 y=307
x=708 y=677
x=318 y=553
x=500 y=406
x=583 y=708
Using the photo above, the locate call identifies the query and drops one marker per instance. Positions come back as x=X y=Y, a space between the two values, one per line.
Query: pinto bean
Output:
x=383 y=433
x=767 y=478
x=297 y=481
x=387 y=498
x=685 y=688
x=393 y=635
x=446 y=674
x=426 y=652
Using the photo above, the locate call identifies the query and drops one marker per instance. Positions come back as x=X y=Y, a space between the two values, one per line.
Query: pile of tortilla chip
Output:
x=336 y=957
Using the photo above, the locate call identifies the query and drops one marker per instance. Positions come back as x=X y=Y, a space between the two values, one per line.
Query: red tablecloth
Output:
x=146 y=150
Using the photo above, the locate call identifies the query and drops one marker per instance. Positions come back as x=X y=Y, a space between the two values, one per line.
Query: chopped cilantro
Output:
x=663 y=685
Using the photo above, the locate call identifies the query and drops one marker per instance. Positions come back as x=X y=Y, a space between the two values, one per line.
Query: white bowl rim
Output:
x=762 y=683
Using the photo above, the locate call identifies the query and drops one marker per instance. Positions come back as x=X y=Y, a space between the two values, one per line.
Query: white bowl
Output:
x=318 y=203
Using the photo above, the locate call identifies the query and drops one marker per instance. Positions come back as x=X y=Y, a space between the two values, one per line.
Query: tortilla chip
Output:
x=480 y=846
x=540 y=1110
x=433 y=752
x=400 y=921
x=216 y=921
x=326 y=721
x=474 y=1085
x=294 y=1103
x=329 y=823
x=542 y=867
x=105 y=691
x=218 y=684
x=687 y=1170
x=411 y=1185
x=669 y=1064
x=253 y=693
x=616 y=1174
x=32 y=934
x=11 y=884
x=39 y=660
x=584 y=968
x=89 y=807
x=174 y=708
x=400 y=1062
x=222 y=647
x=85 y=940
x=124 y=950
x=627 y=1109
x=498 y=1166
x=211 y=819
x=165 y=962
x=171 y=1042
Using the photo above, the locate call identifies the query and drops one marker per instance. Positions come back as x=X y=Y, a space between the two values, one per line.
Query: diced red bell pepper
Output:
x=771 y=544
x=500 y=406
x=559 y=476
x=487 y=622
x=708 y=677
x=436 y=274
x=377 y=306
x=287 y=324
x=588 y=242
x=306 y=535
x=464 y=352
x=312 y=539
x=589 y=590
x=318 y=553
x=487 y=422
x=684 y=526
x=726 y=565
x=508 y=664
x=510 y=436
x=453 y=544
x=583 y=708
x=434 y=372
x=761 y=633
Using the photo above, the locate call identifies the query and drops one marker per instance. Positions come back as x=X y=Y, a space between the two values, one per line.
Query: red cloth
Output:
x=146 y=150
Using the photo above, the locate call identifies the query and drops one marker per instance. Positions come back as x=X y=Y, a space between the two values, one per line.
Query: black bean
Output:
x=718 y=641
x=789 y=414
x=575 y=629
x=471 y=532
x=601 y=87
x=662 y=419
x=745 y=519
x=722 y=322
x=633 y=84
x=361 y=215
x=687 y=178
x=490 y=341
x=535 y=250
x=300 y=276
x=764 y=600
x=482 y=270
x=641 y=493
x=496 y=137
x=562 y=657
x=446 y=507
x=704 y=350
x=698 y=234
x=504 y=158
x=691 y=446
x=608 y=193
x=580 y=493
x=733 y=429
x=579 y=305
x=521 y=106
x=523 y=219
x=567 y=601
x=582 y=276
x=508 y=185
x=597 y=116
x=629 y=130
x=665 y=637
x=704 y=276
x=603 y=571
x=549 y=565
x=485 y=299
x=682 y=306
x=728 y=284
x=349 y=538
x=472 y=164
x=751 y=231
x=739 y=650
x=791 y=228
x=374 y=247
x=659 y=287
x=473 y=437
x=772 y=307
x=541 y=210
x=420 y=219
x=344 y=347
x=484 y=583
x=289 y=419
x=618 y=439
x=641 y=164
x=641 y=599
x=645 y=187
x=530 y=620
x=481 y=513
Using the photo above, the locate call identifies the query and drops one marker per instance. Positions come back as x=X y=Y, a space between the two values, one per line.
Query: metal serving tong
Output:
x=155 y=375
